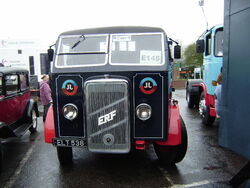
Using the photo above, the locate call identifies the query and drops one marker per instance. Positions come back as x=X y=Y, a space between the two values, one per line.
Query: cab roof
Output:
x=9 y=70
x=111 y=30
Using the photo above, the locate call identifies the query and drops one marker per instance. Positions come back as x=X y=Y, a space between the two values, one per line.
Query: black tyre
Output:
x=169 y=155
x=182 y=148
x=33 y=119
x=1 y=158
x=190 y=99
x=64 y=155
x=204 y=111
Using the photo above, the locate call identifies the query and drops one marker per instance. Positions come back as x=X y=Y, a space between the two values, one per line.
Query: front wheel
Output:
x=1 y=157
x=64 y=155
x=169 y=155
x=204 y=111
x=190 y=99
x=33 y=117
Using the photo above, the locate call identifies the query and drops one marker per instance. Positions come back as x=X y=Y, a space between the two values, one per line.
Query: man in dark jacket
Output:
x=45 y=95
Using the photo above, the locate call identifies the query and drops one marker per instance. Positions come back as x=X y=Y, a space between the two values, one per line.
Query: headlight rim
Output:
x=148 y=106
x=76 y=111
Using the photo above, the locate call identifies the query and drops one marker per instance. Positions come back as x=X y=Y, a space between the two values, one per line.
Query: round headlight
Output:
x=70 y=111
x=143 y=111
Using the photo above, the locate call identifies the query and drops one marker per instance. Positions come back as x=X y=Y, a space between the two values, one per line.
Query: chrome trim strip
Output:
x=109 y=128
x=108 y=106
x=106 y=80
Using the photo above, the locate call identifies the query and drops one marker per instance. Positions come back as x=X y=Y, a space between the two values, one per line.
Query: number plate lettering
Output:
x=69 y=143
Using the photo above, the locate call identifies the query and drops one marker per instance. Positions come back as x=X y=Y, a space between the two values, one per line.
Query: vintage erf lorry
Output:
x=200 y=92
x=111 y=94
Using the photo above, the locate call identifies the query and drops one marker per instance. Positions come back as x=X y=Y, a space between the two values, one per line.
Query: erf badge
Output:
x=148 y=85
x=69 y=87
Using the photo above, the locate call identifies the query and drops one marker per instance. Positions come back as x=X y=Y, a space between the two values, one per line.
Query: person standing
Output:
x=45 y=95
x=217 y=94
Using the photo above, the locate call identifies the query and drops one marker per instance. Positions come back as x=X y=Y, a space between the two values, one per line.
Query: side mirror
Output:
x=177 y=52
x=50 y=54
x=200 y=46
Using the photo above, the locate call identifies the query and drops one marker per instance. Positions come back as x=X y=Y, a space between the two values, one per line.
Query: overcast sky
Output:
x=46 y=19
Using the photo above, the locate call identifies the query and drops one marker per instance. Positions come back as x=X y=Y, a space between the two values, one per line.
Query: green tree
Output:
x=192 y=59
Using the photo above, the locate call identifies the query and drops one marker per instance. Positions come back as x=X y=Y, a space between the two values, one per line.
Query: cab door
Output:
x=24 y=93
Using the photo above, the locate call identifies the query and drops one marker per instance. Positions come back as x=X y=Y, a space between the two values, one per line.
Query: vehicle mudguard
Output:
x=49 y=126
x=174 y=128
x=209 y=99
x=197 y=88
x=32 y=104
x=193 y=86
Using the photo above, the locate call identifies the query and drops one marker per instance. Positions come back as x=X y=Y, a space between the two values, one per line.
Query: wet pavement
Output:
x=29 y=162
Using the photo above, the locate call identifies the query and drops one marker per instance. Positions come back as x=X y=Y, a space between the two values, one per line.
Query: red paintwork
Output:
x=49 y=127
x=140 y=144
x=12 y=109
x=210 y=101
x=212 y=111
x=174 y=131
x=174 y=128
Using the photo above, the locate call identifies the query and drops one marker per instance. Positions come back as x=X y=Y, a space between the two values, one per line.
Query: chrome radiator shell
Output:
x=107 y=112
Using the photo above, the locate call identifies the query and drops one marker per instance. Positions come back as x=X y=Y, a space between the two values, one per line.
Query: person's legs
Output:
x=45 y=110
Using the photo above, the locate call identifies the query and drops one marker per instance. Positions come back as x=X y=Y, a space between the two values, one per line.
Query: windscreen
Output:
x=218 y=48
x=137 y=49
x=82 y=50
x=122 y=49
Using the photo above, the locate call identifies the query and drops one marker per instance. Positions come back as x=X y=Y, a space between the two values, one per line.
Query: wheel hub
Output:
x=34 y=119
x=202 y=107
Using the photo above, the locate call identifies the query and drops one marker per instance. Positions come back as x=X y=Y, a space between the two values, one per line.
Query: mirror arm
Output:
x=173 y=41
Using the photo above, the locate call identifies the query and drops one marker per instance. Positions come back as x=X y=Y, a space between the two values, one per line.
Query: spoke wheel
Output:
x=33 y=117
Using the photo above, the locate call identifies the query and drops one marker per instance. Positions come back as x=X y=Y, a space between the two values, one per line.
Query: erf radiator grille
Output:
x=107 y=115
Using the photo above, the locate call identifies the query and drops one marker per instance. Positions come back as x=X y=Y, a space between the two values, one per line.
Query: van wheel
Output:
x=33 y=117
x=204 y=111
x=190 y=99
x=64 y=155
x=169 y=155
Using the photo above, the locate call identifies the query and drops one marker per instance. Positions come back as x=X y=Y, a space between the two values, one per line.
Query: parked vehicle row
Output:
x=111 y=92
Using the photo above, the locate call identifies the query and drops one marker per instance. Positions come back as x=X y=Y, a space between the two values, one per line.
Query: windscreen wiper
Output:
x=81 y=38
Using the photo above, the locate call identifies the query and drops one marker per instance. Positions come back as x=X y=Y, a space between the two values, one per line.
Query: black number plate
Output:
x=69 y=143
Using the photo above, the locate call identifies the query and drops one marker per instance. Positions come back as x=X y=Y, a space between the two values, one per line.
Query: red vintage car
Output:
x=18 y=112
